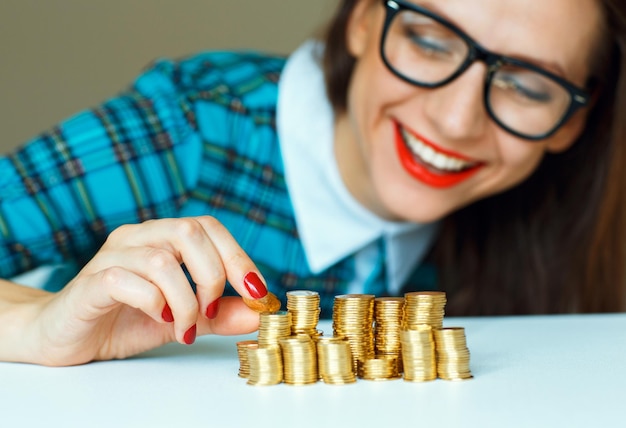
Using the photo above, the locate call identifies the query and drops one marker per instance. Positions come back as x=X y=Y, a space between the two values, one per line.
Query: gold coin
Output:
x=267 y=303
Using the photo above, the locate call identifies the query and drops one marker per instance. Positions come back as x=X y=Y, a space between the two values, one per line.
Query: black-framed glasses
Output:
x=426 y=50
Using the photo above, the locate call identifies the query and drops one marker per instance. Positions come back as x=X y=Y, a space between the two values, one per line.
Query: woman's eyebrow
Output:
x=552 y=66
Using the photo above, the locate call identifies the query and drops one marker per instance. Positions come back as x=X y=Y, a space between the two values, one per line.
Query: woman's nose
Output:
x=457 y=109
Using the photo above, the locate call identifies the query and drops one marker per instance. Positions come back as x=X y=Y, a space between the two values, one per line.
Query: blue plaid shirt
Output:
x=193 y=137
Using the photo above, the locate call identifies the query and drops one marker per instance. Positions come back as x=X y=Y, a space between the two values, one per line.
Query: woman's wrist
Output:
x=20 y=307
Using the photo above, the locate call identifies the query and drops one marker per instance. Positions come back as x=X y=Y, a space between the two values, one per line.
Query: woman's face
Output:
x=386 y=115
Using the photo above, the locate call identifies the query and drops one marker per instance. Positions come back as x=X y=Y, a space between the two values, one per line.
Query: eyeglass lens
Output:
x=426 y=52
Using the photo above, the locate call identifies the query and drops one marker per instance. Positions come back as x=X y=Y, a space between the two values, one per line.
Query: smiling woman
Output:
x=529 y=225
x=470 y=146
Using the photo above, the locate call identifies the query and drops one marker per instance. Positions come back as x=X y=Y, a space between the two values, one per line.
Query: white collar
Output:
x=331 y=223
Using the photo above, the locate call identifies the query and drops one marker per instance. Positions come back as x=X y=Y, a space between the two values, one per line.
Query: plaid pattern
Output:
x=193 y=137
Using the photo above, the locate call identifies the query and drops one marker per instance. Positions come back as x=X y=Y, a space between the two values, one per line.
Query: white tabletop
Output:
x=548 y=371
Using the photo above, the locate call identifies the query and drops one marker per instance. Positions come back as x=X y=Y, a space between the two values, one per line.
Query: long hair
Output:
x=555 y=243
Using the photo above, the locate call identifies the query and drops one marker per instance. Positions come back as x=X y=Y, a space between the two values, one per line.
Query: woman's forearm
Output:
x=19 y=308
x=14 y=293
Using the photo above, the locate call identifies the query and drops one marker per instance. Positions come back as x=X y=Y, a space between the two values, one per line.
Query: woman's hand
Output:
x=134 y=296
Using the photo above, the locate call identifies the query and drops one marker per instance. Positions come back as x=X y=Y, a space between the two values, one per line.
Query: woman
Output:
x=485 y=130
x=554 y=243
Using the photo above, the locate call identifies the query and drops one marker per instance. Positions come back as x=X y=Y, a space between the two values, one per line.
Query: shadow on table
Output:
x=201 y=349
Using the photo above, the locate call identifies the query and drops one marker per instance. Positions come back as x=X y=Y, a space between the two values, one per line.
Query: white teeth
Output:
x=431 y=157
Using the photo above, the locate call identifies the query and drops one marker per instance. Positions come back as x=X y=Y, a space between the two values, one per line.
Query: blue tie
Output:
x=375 y=282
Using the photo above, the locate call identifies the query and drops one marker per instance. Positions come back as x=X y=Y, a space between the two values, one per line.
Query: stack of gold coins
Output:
x=304 y=306
x=266 y=365
x=452 y=354
x=380 y=368
x=374 y=338
x=388 y=312
x=418 y=354
x=424 y=307
x=242 y=352
x=272 y=327
x=299 y=360
x=334 y=360
x=353 y=315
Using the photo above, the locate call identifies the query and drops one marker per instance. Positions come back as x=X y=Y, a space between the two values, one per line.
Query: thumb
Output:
x=233 y=318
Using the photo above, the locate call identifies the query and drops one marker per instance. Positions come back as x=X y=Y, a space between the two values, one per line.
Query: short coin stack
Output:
x=242 y=351
x=380 y=368
x=266 y=366
x=273 y=327
x=334 y=359
x=424 y=307
x=418 y=354
x=299 y=360
x=452 y=354
x=304 y=306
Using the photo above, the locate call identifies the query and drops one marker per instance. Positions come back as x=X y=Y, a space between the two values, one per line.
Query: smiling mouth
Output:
x=430 y=164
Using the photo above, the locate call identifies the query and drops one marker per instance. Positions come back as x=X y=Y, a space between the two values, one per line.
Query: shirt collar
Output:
x=331 y=223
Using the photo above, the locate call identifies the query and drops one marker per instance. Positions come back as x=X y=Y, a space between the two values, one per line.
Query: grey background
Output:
x=61 y=56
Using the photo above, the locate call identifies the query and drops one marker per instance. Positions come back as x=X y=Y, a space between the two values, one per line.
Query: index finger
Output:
x=240 y=270
x=210 y=254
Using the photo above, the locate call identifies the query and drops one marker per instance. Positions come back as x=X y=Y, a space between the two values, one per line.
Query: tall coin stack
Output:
x=423 y=312
x=353 y=316
x=266 y=361
x=424 y=307
x=452 y=354
x=334 y=359
x=304 y=306
x=299 y=360
x=388 y=313
x=418 y=354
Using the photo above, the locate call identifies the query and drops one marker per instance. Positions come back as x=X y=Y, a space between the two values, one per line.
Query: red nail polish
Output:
x=211 y=310
x=255 y=287
x=167 y=314
x=190 y=335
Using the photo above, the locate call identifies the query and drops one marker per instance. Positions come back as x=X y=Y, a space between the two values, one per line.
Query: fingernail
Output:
x=255 y=287
x=190 y=335
x=167 y=314
x=211 y=310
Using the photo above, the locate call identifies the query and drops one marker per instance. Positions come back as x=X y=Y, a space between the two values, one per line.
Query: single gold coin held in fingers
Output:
x=267 y=303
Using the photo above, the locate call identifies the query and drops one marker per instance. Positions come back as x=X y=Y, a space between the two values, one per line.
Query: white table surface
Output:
x=541 y=371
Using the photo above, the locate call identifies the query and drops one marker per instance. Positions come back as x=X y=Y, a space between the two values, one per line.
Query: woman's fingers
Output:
x=197 y=250
x=234 y=317
x=212 y=256
x=240 y=270
x=113 y=313
x=161 y=269
x=155 y=251
x=208 y=250
x=116 y=285
x=134 y=295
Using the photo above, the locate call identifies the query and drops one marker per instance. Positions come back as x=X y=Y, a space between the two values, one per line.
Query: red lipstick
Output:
x=429 y=176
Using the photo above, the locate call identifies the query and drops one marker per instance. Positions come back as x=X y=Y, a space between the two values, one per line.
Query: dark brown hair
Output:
x=556 y=243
